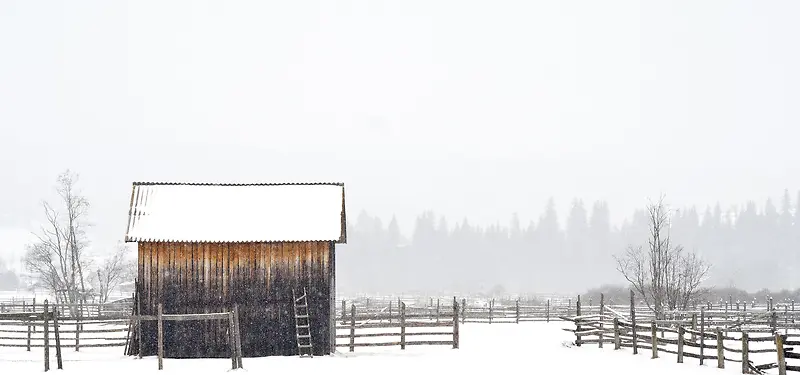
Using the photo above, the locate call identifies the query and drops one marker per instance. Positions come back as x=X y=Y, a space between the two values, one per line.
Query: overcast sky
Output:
x=468 y=108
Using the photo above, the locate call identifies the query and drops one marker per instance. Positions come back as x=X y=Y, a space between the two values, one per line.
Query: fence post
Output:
x=455 y=323
x=680 y=343
x=46 y=339
x=402 y=325
x=29 y=333
x=781 y=356
x=745 y=353
x=238 y=334
x=654 y=338
x=232 y=340
x=437 y=310
x=785 y=313
x=601 y=335
x=491 y=310
x=463 y=310
x=58 y=338
x=616 y=334
x=633 y=327
x=390 y=311
x=77 y=333
x=694 y=327
x=702 y=333
x=720 y=349
x=140 y=322
x=34 y=310
x=774 y=321
x=517 y=311
x=577 y=322
x=161 y=336
x=548 y=311
x=352 y=327
x=344 y=313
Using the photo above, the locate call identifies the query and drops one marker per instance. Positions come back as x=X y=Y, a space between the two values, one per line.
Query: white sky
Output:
x=476 y=109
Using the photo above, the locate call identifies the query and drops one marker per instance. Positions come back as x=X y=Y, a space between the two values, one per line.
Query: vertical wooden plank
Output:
x=463 y=310
x=205 y=294
x=225 y=257
x=654 y=338
x=232 y=341
x=29 y=334
x=402 y=325
x=147 y=290
x=617 y=342
x=779 y=340
x=577 y=321
x=745 y=353
x=681 y=334
x=160 y=336
x=455 y=324
x=46 y=339
x=353 y=329
x=139 y=322
x=56 y=330
x=635 y=338
x=547 y=318
x=601 y=335
x=331 y=277
x=78 y=327
x=702 y=334
x=720 y=349
x=238 y=333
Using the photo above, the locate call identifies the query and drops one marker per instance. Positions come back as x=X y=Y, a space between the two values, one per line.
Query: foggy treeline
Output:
x=751 y=247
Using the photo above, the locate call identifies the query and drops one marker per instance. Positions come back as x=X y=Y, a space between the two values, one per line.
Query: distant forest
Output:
x=753 y=247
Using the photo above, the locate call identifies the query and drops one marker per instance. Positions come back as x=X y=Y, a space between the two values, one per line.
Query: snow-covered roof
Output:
x=206 y=212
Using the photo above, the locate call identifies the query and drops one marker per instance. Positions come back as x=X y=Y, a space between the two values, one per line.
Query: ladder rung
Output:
x=303 y=326
x=304 y=346
x=302 y=316
x=304 y=336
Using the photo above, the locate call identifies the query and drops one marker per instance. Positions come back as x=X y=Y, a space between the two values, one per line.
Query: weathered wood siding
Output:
x=210 y=277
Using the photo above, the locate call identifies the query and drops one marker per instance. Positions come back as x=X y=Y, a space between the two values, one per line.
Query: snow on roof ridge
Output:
x=195 y=183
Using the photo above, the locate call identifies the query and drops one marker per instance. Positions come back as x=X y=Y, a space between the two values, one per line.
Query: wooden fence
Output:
x=746 y=338
x=44 y=318
x=234 y=336
x=490 y=312
x=80 y=326
x=120 y=309
x=402 y=327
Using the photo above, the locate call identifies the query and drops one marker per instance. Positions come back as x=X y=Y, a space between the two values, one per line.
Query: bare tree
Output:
x=57 y=257
x=665 y=275
x=114 y=270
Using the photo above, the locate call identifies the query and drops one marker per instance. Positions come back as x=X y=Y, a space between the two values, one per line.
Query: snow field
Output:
x=527 y=348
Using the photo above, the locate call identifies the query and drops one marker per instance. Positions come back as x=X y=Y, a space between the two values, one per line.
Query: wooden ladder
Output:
x=302 y=322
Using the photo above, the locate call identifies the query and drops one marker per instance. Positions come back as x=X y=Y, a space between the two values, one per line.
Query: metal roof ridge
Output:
x=189 y=183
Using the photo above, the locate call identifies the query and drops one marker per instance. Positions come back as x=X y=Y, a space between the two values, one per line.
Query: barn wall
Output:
x=211 y=277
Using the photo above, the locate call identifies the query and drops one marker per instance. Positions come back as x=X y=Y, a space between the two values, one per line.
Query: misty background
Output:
x=469 y=110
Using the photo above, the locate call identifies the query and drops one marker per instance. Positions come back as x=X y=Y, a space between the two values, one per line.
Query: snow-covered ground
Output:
x=527 y=347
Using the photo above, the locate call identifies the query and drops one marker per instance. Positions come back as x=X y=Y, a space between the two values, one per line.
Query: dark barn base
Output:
x=267 y=330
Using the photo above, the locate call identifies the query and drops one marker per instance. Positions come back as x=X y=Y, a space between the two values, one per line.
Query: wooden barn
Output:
x=203 y=248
